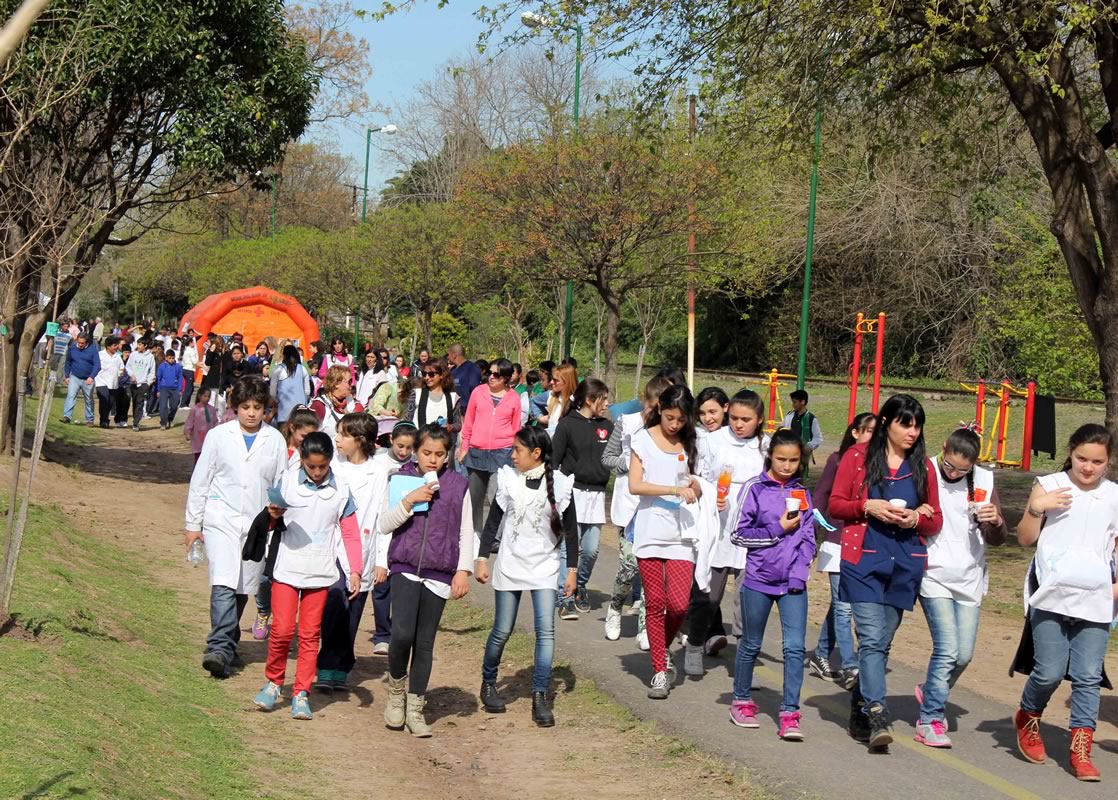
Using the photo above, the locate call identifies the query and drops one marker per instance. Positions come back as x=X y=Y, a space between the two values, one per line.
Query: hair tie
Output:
x=971 y=426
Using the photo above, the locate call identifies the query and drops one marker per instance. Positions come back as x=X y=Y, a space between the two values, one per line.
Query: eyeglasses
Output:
x=493 y=375
x=430 y=374
x=949 y=467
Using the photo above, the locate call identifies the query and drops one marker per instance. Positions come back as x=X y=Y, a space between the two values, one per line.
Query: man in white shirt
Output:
x=98 y=330
x=141 y=369
x=107 y=379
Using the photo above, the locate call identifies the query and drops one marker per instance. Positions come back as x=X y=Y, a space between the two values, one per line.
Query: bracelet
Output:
x=1032 y=512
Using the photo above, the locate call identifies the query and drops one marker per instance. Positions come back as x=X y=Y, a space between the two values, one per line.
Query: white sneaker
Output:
x=635 y=608
x=693 y=661
x=642 y=640
x=613 y=623
x=380 y=649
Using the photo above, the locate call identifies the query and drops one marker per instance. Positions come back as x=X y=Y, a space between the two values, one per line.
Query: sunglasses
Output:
x=495 y=375
x=430 y=374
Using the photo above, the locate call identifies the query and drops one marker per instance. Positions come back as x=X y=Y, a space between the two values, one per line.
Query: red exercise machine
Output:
x=863 y=326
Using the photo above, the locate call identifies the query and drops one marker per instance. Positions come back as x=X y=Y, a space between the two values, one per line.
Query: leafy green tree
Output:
x=609 y=211
x=1054 y=63
x=113 y=112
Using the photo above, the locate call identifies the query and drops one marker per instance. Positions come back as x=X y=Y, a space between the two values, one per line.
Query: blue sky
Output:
x=406 y=49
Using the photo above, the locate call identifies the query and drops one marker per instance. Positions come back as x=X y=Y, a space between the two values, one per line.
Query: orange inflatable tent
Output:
x=257 y=313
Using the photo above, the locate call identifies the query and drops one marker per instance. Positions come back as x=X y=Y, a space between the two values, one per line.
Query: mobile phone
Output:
x=791 y=514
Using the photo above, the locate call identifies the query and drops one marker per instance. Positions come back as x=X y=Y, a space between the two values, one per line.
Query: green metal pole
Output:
x=365 y=199
x=275 y=196
x=805 y=306
x=568 y=317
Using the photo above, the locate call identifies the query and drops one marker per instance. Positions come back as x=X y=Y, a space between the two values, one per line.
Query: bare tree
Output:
x=475 y=106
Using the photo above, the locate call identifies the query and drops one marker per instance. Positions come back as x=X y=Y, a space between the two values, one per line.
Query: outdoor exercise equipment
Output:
x=995 y=437
x=776 y=407
x=863 y=326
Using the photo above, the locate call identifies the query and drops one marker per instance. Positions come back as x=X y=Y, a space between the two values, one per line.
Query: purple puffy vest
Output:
x=427 y=544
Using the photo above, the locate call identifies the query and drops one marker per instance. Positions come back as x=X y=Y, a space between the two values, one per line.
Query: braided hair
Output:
x=538 y=439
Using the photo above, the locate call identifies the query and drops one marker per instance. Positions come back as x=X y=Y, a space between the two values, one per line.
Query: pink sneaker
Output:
x=790 y=726
x=932 y=734
x=743 y=713
x=262 y=626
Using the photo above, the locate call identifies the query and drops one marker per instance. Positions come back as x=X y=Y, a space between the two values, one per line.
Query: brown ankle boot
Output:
x=1081 y=740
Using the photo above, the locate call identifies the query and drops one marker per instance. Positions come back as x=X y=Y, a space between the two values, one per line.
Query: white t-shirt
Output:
x=623 y=504
x=1075 y=552
x=309 y=547
x=957 y=554
x=529 y=554
x=111 y=367
x=745 y=458
x=656 y=528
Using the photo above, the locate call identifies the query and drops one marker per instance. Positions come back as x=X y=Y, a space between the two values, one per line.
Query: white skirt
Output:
x=590 y=507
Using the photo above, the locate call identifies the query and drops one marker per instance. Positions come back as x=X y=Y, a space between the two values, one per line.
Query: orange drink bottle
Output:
x=725 y=477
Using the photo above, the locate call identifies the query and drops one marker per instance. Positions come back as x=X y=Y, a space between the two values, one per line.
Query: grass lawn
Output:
x=103 y=693
x=829 y=403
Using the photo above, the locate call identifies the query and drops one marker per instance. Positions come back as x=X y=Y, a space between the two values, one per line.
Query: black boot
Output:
x=859 y=727
x=490 y=700
x=541 y=710
x=881 y=729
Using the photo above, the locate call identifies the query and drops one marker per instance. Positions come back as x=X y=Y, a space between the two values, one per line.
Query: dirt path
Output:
x=131 y=488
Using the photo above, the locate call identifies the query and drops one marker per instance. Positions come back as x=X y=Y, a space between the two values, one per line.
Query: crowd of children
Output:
x=512 y=491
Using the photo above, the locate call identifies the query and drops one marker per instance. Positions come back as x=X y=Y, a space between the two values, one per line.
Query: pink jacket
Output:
x=197 y=426
x=331 y=360
x=489 y=428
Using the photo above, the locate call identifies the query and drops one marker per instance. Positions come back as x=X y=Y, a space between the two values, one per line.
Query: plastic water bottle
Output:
x=197 y=553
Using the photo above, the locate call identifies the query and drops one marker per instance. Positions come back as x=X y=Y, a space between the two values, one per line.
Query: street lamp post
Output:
x=387 y=130
x=532 y=20
x=805 y=304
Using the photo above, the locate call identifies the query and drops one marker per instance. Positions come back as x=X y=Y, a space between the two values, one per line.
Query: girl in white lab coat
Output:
x=368 y=482
x=319 y=516
x=301 y=422
x=1072 y=520
x=738 y=451
x=240 y=460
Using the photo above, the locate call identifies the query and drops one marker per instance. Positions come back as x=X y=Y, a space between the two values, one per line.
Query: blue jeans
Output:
x=837 y=629
x=954 y=629
x=588 y=538
x=168 y=405
x=1072 y=647
x=72 y=388
x=226 y=607
x=876 y=624
x=755 y=608
x=506 y=604
x=264 y=597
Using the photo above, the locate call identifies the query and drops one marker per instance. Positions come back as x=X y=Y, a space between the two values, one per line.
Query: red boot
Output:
x=1028 y=736
x=1081 y=739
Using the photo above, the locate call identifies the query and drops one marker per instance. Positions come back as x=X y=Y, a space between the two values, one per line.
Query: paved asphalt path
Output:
x=829 y=764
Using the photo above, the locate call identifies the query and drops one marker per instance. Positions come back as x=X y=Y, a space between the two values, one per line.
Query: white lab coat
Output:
x=228 y=489
x=368 y=484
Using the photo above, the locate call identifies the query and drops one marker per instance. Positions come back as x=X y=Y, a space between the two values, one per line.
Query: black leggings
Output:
x=479 y=487
x=416 y=612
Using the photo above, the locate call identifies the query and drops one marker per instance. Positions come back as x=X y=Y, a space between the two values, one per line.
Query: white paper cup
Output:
x=791 y=504
x=432 y=480
x=897 y=502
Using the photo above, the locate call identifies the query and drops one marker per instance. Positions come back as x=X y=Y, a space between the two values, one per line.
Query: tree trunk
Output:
x=640 y=368
x=613 y=322
x=426 y=313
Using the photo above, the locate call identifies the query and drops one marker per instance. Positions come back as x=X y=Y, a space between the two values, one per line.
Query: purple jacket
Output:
x=778 y=562
x=427 y=544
